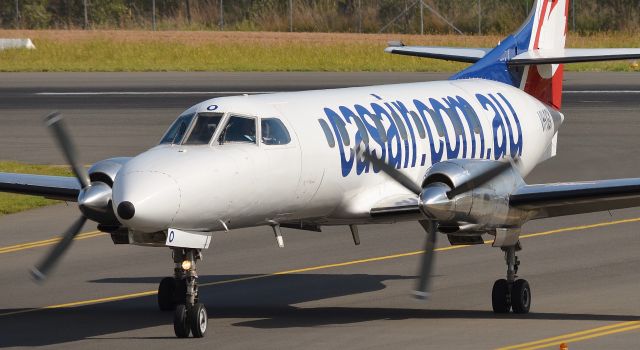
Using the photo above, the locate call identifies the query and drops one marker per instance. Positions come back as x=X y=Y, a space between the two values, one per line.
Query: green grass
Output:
x=107 y=56
x=205 y=52
x=13 y=203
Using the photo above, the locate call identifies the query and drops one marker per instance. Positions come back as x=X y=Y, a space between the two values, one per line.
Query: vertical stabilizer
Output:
x=545 y=29
x=549 y=33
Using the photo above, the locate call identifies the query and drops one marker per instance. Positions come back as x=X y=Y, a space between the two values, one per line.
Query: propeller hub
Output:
x=435 y=203
x=95 y=197
x=95 y=203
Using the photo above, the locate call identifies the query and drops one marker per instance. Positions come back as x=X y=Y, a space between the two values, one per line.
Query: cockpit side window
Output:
x=274 y=132
x=177 y=130
x=239 y=129
x=203 y=129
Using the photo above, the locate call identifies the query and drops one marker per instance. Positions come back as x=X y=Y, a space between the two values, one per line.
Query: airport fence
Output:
x=358 y=16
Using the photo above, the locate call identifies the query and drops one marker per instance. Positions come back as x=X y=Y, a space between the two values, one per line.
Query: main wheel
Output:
x=166 y=294
x=180 y=322
x=521 y=297
x=198 y=320
x=500 y=297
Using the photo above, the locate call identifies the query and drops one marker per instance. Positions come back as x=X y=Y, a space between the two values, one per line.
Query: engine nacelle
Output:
x=480 y=209
x=95 y=200
x=106 y=170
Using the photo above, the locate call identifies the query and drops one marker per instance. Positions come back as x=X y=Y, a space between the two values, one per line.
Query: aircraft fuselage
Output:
x=319 y=177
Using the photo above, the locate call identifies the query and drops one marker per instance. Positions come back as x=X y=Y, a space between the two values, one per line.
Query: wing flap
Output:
x=550 y=200
x=54 y=187
x=573 y=56
x=458 y=54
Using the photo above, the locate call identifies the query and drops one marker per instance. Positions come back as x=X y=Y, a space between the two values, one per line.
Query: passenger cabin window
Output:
x=203 y=129
x=418 y=123
x=177 y=130
x=399 y=125
x=362 y=130
x=274 y=132
x=239 y=129
x=344 y=134
x=327 y=133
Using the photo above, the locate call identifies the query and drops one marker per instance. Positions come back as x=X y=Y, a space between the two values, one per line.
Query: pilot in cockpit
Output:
x=240 y=130
x=267 y=137
x=249 y=131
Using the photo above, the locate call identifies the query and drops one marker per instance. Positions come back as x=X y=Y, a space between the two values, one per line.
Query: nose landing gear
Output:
x=511 y=293
x=180 y=294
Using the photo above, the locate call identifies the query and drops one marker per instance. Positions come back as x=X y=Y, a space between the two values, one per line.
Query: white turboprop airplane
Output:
x=451 y=155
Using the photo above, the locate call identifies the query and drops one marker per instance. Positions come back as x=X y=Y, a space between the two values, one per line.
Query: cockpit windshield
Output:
x=204 y=128
x=177 y=130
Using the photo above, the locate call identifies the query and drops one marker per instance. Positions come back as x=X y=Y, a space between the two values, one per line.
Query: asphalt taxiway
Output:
x=320 y=291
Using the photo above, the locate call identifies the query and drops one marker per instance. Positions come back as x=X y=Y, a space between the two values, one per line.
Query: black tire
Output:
x=500 y=297
x=198 y=320
x=180 y=294
x=521 y=297
x=166 y=294
x=180 y=324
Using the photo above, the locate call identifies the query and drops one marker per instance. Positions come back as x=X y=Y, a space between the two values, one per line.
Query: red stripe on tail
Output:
x=549 y=90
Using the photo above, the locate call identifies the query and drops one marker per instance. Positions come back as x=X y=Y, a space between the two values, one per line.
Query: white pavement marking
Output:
x=133 y=93
x=151 y=93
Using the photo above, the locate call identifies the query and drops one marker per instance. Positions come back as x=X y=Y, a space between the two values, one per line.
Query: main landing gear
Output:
x=180 y=293
x=511 y=293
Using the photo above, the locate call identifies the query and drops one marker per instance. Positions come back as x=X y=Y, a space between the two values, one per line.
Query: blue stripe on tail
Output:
x=493 y=66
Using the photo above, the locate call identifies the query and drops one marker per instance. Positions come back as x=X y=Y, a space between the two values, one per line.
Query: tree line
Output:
x=367 y=16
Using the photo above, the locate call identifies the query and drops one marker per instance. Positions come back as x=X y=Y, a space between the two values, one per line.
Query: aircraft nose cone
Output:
x=146 y=201
x=126 y=210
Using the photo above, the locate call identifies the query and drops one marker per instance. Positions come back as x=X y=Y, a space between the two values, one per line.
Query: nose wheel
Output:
x=198 y=320
x=192 y=320
x=172 y=291
x=511 y=293
x=180 y=294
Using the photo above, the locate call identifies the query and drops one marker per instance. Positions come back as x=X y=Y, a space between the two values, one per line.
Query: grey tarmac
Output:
x=582 y=278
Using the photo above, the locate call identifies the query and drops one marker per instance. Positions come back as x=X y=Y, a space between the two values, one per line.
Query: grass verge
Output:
x=12 y=203
x=130 y=51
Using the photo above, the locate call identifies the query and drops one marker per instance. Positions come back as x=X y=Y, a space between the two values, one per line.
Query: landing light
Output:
x=186 y=265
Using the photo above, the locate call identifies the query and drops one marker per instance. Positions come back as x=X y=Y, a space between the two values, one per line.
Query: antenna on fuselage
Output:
x=278 y=233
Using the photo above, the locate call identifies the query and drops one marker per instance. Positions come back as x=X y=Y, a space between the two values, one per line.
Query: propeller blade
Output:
x=42 y=269
x=55 y=123
x=393 y=173
x=480 y=179
x=422 y=290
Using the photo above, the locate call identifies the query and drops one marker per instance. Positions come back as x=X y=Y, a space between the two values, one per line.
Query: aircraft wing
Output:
x=544 y=200
x=573 y=56
x=549 y=200
x=459 y=54
x=396 y=206
x=54 y=187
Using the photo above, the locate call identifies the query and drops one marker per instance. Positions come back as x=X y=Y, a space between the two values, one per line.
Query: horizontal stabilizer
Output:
x=458 y=54
x=535 y=57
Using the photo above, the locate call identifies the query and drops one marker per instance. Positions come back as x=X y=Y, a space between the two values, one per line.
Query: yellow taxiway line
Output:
x=46 y=242
x=543 y=343
x=577 y=336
